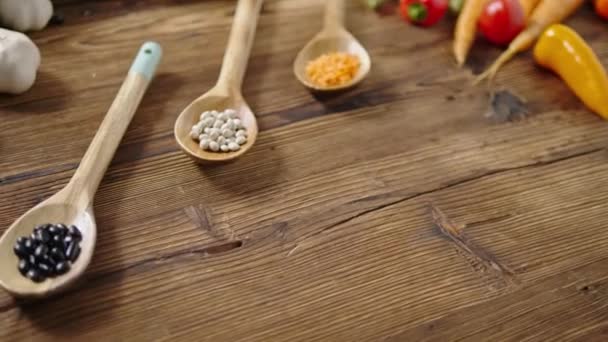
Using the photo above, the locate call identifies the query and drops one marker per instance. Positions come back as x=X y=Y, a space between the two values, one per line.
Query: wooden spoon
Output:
x=333 y=38
x=226 y=94
x=74 y=203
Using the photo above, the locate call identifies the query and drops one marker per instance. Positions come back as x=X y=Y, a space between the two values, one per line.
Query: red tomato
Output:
x=502 y=20
x=423 y=12
x=601 y=8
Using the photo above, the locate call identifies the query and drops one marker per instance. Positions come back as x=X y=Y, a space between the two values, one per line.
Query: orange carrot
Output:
x=466 y=27
x=547 y=13
x=528 y=6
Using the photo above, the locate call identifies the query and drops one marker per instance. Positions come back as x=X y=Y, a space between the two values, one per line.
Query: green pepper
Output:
x=456 y=6
x=374 y=4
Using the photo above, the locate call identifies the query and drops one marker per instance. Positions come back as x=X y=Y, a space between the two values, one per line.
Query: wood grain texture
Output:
x=331 y=235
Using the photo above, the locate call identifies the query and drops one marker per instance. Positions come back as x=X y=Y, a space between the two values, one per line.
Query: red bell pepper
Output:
x=423 y=12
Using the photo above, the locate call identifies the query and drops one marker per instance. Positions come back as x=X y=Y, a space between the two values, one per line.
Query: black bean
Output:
x=40 y=227
x=41 y=251
x=57 y=254
x=42 y=236
x=24 y=266
x=73 y=251
x=75 y=232
x=29 y=244
x=20 y=250
x=53 y=230
x=21 y=239
x=48 y=259
x=31 y=259
x=61 y=229
x=35 y=275
x=62 y=268
x=45 y=269
x=68 y=240
x=58 y=242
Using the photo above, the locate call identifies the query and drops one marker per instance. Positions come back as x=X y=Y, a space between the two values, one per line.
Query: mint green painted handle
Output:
x=147 y=60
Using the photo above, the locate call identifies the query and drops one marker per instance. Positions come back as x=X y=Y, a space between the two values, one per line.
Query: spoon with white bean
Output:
x=224 y=103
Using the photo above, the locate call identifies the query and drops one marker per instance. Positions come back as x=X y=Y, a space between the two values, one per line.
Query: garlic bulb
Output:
x=19 y=62
x=25 y=15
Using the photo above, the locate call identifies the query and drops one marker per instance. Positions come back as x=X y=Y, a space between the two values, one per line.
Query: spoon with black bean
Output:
x=50 y=246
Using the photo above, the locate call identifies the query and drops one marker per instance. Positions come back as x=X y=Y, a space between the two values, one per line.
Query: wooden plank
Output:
x=380 y=272
x=568 y=307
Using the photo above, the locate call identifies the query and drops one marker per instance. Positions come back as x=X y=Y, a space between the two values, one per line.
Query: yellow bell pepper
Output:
x=563 y=51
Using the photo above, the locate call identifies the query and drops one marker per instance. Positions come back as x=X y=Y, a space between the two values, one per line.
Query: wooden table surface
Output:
x=411 y=208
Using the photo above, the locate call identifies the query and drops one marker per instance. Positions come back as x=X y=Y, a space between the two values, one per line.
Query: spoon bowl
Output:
x=330 y=42
x=227 y=92
x=333 y=38
x=52 y=210
x=214 y=101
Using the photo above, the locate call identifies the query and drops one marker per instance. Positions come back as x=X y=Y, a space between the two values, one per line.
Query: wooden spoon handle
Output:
x=239 y=44
x=334 y=14
x=85 y=181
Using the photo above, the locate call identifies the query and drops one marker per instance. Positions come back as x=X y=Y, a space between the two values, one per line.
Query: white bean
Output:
x=230 y=125
x=228 y=133
x=231 y=113
x=208 y=122
x=219 y=131
x=214 y=134
x=241 y=140
x=194 y=133
x=234 y=146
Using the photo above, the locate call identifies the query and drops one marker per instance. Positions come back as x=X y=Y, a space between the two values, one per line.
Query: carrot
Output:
x=547 y=13
x=466 y=27
x=528 y=6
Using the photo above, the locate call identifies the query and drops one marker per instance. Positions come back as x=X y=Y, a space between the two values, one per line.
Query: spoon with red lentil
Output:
x=334 y=59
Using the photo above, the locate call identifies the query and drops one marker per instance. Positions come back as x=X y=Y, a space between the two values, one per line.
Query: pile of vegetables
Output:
x=19 y=56
x=519 y=25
